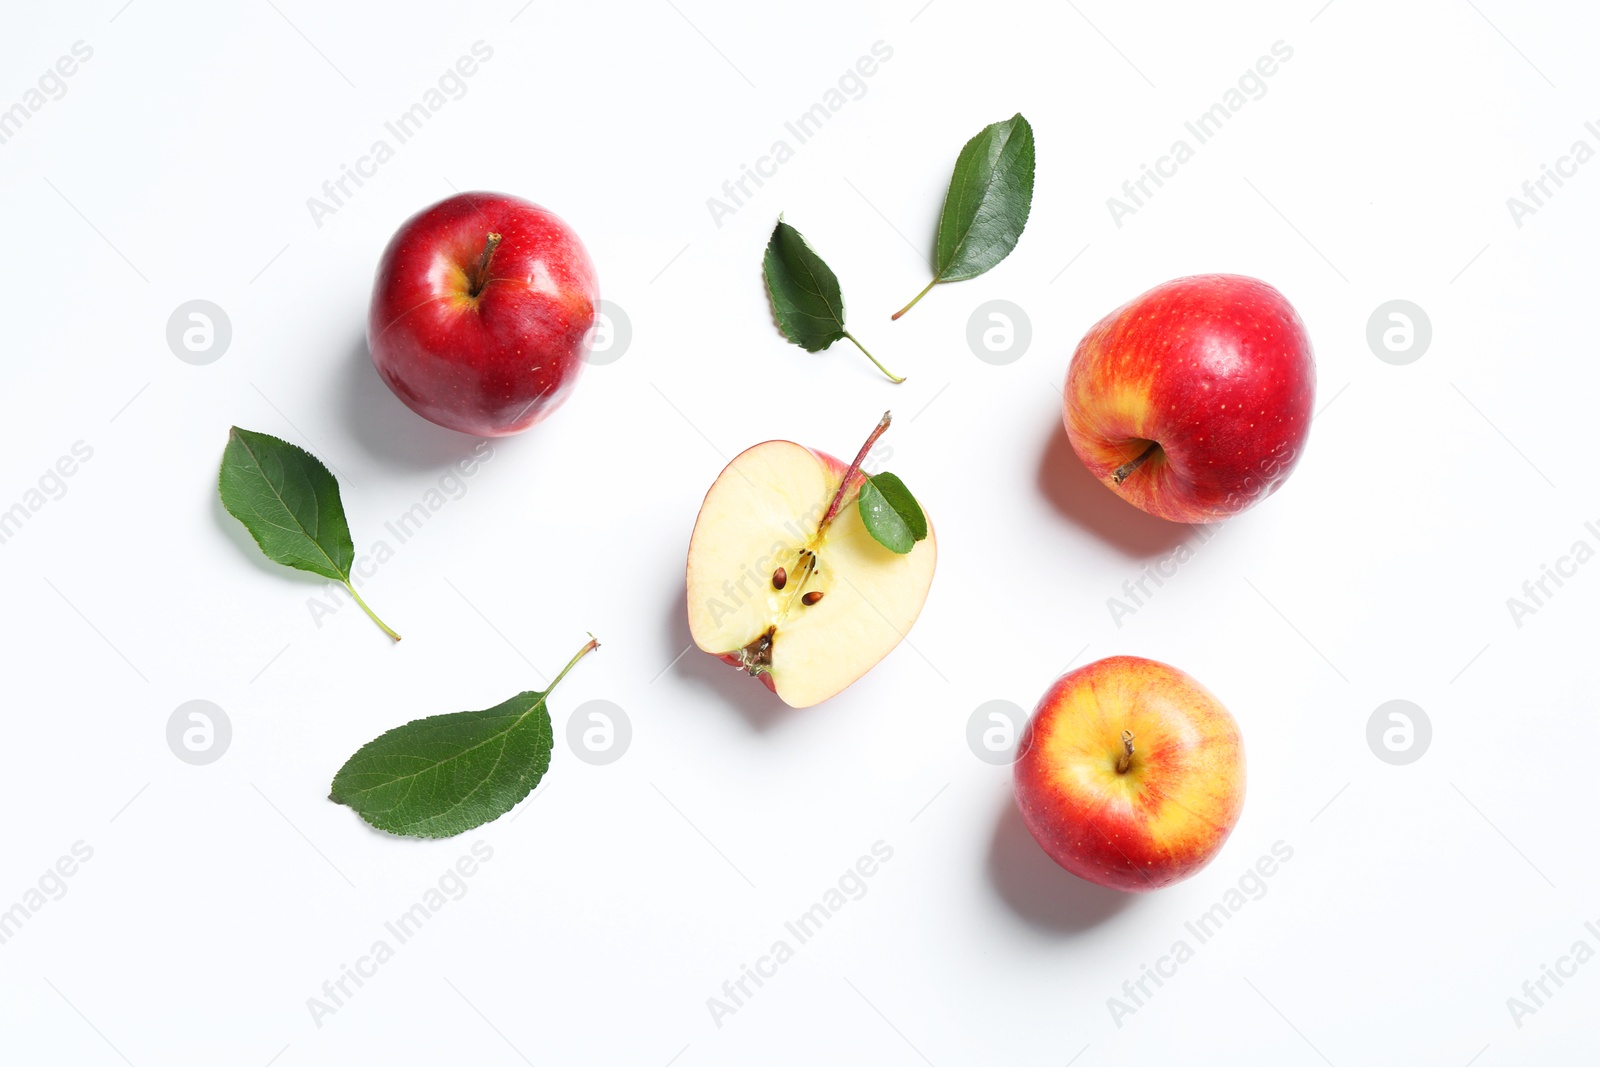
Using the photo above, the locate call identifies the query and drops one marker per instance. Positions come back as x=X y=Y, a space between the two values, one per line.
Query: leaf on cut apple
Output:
x=446 y=774
x=290 y=504
x=987 y=204
x=805 y=294
x=890 y=513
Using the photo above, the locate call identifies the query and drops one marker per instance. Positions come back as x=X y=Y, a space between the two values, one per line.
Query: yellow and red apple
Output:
x=803 y=602
x=1193 y=401
x=1131 y=774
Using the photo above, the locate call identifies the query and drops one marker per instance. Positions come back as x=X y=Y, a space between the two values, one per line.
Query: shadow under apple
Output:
x=1078 y=495
x=1039 y=891
x=389 y=432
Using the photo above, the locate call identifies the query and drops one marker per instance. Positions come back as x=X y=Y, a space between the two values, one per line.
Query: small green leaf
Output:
x=445 y=774
x=890 y=513
x=290 y=504
x=987 y=204
x=805 y=294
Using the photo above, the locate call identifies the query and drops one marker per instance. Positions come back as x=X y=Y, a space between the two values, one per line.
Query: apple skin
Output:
x=498 y=362
x=1217 y=370
x=1179 y=799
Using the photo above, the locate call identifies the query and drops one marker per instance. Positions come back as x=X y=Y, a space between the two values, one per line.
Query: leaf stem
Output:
x=855 y=468
x=890 y=374
x=914 y=299
x=582 y=652
x=370 y=614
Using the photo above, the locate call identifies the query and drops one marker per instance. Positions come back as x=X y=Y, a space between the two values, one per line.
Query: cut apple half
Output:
x=806 y=606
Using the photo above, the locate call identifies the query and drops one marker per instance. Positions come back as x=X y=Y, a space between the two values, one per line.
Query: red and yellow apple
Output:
x=803 y=604
x=482 y=312
x=1193 y=401
x=1131 y=774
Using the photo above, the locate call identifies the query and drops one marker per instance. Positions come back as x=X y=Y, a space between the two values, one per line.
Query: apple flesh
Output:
x=482 y=312
x=843 y=601
x=1193 y=401
x=1131 y=774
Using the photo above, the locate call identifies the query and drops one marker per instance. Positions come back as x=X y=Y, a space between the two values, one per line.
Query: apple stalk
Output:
x=480 y=271
x=1120 y=475
x=855 y=469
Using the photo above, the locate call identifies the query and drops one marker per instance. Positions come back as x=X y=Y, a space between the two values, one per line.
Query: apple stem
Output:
x=370 y=614
x=1121 y=473
x=855 y=468
x=480 y=273
x=1125 y=760
x=582 y=652
x=896 y=379
x=914 y=299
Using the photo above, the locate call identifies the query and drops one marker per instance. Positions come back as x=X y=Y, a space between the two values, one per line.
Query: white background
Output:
x=219 y=898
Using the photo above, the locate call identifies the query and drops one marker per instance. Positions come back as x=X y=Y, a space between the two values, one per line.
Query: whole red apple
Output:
x=1131 y=774
x=481 y=313
x=1193 y=401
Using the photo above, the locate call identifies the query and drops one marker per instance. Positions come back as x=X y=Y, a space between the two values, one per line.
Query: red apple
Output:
x=481 y=313
x=1131 y=774
x=1193 y=401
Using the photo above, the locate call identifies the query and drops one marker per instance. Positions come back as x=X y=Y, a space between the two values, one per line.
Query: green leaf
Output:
x=290 y=504
x=805 y=294
x=890 y=513
x=445 y=774
x=987 y=204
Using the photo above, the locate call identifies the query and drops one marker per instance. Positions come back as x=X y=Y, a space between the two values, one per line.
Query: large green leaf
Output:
x=290 y=504
x=445 y=774
x=288 y=501
x=805 y=294
x=987 y=204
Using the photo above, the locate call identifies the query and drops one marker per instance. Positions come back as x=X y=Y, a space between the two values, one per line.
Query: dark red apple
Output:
x=481 y=313
x=1193 y=401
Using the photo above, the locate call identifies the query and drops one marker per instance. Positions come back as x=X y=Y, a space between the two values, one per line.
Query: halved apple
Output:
x=804 y=604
